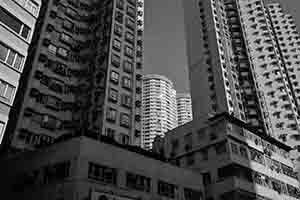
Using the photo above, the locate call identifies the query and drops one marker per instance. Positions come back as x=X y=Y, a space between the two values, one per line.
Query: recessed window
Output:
x=125 y=120
x=6 y=91
x=130 y=23
x=166 y=189
x=128 y=66
x=129 y=37
x=62 y=52
x=14 y=23
x=119 y=17
x=102 y=173
x=117 y=44
x=113 y=95
x=120 y=4
x=65 y=38
x=138 y=182
x=114 y=77
x=52 y=49
x=129 y=51
x=115 y=60
x=130 y=11
x=111 y=114
x=118 y=29
x=126 y=100
x=11 y=57
x=32 y=7
x=126 y=83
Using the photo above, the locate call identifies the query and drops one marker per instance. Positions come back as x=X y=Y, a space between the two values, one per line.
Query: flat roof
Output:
x=242 y=124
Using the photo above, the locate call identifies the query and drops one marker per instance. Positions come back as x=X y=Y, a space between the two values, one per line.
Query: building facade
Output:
x=17 y=24
x=236 y=161
x=159 y=108
x=82 y=168
x=243 y=58
x=184 y=108
x=84 y=74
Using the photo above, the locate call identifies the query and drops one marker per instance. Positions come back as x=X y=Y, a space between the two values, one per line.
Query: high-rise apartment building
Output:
x=159 y=108
x=243 y=59
x=83 y=74
x=184 y=108
x=17 y=23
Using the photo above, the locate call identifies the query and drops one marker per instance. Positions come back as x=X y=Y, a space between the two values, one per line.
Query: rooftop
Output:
x=242 y=124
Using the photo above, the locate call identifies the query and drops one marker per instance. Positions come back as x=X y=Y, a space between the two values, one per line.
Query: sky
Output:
x=165 y=50
x=165 y=41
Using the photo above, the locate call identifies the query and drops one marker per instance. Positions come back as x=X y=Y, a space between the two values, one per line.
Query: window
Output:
x=190 y=194
x=114 y=77
x=234 y=148
x=257 y=156
x=115 y=60
x=111 y=114
x=244 y=152
x=126 y=100
x=32 y=7
x=126 y=82
x=125 y=120
x=118 y=29
x=166 y=189
x=113 y=95
x=110 y=133
x=117 y=45
x=68 y=25
x=129 y=51
x=102 y=173
x=221 y=148
x=128 y=66
x=6 y=91
x=130 y=23
x=124 y=139
x=52 y=49
x=119 y=17
x=129 y=37
x=130 y=11
x=2 y=125
x=49 y=122
x=15 y=24
x=62 y=52
x=65 y=38
x=56 y=172
x=138 y=182
x=11 y=57
x=120 y=4
x=225 y=172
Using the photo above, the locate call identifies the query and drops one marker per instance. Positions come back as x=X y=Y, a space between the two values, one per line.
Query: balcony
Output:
x=238 y=184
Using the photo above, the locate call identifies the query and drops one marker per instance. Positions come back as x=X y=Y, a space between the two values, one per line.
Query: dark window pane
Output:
x=3 y=52
x=25 y=32
x=11 y=57
x=18 y=62
x=10 y=20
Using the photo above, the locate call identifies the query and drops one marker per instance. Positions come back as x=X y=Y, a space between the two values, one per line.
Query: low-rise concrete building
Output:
x=85 y=169
x=236 y=162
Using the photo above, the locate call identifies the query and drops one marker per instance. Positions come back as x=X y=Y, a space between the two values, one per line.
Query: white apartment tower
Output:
x=17 y=24
x=243 y=59
x=184 y=108
x=159 y=109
